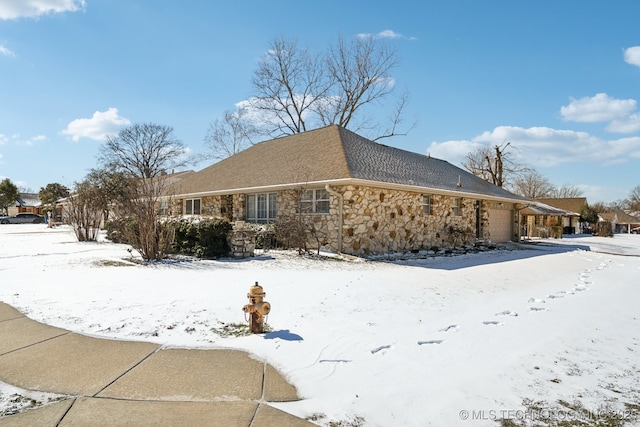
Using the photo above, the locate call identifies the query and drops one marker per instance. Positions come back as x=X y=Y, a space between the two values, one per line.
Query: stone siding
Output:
x=374 y=220
x=379 y=221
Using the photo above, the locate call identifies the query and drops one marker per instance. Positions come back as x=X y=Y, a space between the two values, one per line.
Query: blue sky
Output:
x=560 y=80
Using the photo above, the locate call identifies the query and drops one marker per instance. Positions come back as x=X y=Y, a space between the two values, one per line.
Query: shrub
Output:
x=204 y=238
x=556 y=232
x=604 y=229
x=153 y=240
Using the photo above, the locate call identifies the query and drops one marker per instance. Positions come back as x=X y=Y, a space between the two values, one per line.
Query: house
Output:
x=355 y=195
x=572 y=205
x=538 y=219
x=27 y=202
x=621 y=222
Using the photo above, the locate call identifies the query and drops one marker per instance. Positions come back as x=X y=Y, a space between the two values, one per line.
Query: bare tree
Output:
x=143 y=153
x=632 y=203
x=231 y=135
x=494 y=164
x=533 y=185
x=288 y=82
x=296 y=89
x=360 y=75
x=85 y=210
x=566 y=191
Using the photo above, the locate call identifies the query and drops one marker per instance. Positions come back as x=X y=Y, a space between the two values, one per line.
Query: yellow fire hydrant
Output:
x=257 y=308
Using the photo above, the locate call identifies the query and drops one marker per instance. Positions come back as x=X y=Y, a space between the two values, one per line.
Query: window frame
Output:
x=309 y=201
x=163 y=208
x=457 y=206
x=190 y=206
x=261 y=208
x=427 y=204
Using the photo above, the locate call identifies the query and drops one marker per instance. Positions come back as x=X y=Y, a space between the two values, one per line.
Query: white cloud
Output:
x=599 y=108
x=14 y=9
x=632 y=55
x=97 y=127
x=32 y=141
x=5 y=51
x=543 y=146
x=16 y=138
x=385 y=34
x=629 y=124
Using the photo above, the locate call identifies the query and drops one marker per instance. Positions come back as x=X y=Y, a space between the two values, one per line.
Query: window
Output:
x=261 y=208
x=192 y=207
x=457 y=206
x=427 y=205
x=314 y=201
x=163 y=209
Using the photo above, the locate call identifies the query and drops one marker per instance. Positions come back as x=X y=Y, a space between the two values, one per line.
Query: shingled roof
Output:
x=334 y=155
x=573 y=204
x=619 y=217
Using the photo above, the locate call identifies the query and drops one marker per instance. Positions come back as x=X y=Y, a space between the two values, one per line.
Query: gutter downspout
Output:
x=340 y=213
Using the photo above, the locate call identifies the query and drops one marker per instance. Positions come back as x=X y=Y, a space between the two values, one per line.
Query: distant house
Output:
x=565 y=212
x=358 y=196
x=27 y=202
x=538 y=219
x=621 y=221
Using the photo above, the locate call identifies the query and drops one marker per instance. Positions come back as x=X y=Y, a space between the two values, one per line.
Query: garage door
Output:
x=500 y=225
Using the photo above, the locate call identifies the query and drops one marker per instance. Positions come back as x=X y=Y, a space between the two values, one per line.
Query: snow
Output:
x=412 y=342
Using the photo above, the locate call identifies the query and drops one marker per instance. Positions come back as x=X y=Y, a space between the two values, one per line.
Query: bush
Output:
x=204 y=238
x=152 y=239
x=604 y=229
x=115 y=230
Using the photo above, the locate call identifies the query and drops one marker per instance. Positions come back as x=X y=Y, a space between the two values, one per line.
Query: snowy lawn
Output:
x=536 y=333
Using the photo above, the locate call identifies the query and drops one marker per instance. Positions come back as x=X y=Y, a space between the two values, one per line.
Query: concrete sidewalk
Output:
x=125 y=383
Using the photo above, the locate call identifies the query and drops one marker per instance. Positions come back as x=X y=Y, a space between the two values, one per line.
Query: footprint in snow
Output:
x=536 y=309
x=430 y=342
x=507 y=313
x=450 y=328
x=492 y=323
x=580 y=288
x=536 y=300
x=381 y=348
x=560 y=294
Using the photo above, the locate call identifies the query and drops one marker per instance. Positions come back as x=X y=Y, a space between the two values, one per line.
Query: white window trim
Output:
x=427 y=207
x=188 y=202
x=315 y=200
x=253 y=216
x=457 y=206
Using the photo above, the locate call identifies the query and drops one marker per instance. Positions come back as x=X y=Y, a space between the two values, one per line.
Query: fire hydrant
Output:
x=257 y=308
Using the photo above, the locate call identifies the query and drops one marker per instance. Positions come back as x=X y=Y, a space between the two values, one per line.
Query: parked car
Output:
x=23 y=218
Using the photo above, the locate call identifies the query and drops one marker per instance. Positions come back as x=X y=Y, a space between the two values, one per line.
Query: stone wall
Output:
x=374 y=220
x=380 y=221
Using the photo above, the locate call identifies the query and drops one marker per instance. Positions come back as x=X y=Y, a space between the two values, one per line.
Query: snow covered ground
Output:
x=526 y=332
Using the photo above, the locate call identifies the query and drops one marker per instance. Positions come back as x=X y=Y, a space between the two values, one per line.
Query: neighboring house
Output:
x=572 y=205
x=357 y=196
x=27 y=202
x=537 y=220
x=164 y=180
x=621 y=222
